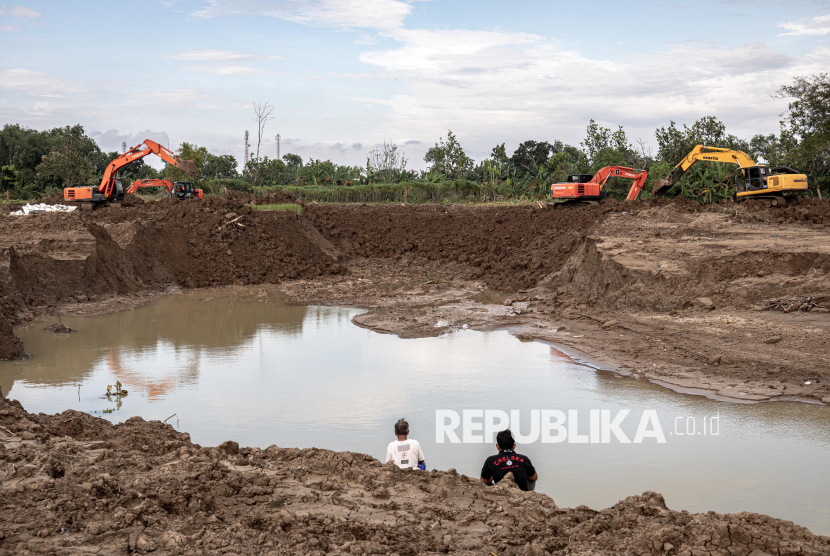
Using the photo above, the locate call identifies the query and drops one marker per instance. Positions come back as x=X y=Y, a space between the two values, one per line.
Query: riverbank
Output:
x=665 y=291
x=72 y=483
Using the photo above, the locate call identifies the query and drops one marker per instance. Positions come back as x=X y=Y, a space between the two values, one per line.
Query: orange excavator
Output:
x=111 y=188
x=585 y=187
x=179 y=189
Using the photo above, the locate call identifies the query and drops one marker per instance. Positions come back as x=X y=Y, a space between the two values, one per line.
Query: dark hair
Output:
x=402 y=427
x=505 y=440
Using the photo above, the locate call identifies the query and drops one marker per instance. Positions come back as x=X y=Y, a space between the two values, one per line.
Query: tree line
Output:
x=37 y=163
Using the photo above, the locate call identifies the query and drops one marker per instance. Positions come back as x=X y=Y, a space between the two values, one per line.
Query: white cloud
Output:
x=21 y=12
x=816 y=26
x=489 y=83
x=367 y=14
x=218 y=56
x=483 y=84
x=37 y=83
x=183 y=99
x=227 y=70
x=223 y=62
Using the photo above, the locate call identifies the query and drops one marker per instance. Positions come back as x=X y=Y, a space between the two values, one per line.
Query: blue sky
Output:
x=344 y=75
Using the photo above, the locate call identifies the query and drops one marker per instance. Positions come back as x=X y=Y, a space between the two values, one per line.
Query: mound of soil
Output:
x=808 y=211
x=131 y=200
x=278 y=198
x=59 y=328
x=512 y=248
x=218 y=241
x=75 y=484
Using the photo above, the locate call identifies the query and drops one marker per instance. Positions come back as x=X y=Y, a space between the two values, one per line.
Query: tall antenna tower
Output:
x=247 y=146
x=278 y=146
x=123 y=146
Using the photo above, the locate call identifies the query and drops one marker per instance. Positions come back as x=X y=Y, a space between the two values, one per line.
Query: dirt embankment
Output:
x=89 y=259
x=508 y=248
x=76 y=484
x=663 y=290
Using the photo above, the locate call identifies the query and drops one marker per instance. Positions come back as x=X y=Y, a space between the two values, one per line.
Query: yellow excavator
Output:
x=755 y=181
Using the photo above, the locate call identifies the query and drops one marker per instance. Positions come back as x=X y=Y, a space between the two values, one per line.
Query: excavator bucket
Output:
x=660 y=187
x=188 y=167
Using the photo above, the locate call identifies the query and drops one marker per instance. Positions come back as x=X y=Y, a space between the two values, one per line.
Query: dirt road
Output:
x=665 y=291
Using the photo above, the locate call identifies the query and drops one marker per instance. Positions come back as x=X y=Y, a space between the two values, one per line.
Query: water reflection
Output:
x=246 y=367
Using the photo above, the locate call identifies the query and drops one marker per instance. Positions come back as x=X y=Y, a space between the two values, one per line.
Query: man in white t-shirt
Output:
x=405 y=452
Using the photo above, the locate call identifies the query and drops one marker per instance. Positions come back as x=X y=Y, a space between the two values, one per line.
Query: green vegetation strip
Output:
x=413 y=192
x=296 y=208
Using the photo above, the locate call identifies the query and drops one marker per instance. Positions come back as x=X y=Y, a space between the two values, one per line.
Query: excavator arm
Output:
x=179 y=189
x=150 y=183
x=639 y=177
x=591 y=190
x=132 y=155
x=704 y=153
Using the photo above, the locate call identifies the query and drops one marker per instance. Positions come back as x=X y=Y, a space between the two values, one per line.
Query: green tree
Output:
x=805 y=127
x=569 y=160
x=8 y=177
x=673 y=143
x=220 y=167
x=530 y=156
x=272 y=171
x=386 y=163
x=293 y=161
x=498 y=154
x=769 y=149
x=449 y=157
x=319 y=171
x=24 y=149
x=69 y=164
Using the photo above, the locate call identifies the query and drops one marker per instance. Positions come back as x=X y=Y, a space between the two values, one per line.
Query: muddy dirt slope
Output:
x=75 y=484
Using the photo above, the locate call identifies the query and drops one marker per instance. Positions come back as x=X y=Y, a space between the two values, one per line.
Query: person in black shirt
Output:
x=507 y=460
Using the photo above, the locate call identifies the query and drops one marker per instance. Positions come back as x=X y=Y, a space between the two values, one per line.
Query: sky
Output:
x=345 y=75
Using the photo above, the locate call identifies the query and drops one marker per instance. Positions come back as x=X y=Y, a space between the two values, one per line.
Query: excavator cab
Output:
x=185 y=190
x=182 y=189
x=751 y=178
x=579 y=178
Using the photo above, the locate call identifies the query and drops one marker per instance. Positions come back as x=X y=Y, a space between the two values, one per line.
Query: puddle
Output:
x=241 y=365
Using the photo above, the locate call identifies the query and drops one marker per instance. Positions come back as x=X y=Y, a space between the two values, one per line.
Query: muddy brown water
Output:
x=234 y=364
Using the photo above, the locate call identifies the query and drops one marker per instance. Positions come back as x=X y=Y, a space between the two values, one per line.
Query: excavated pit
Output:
x=694 y=278
x=660 y=290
